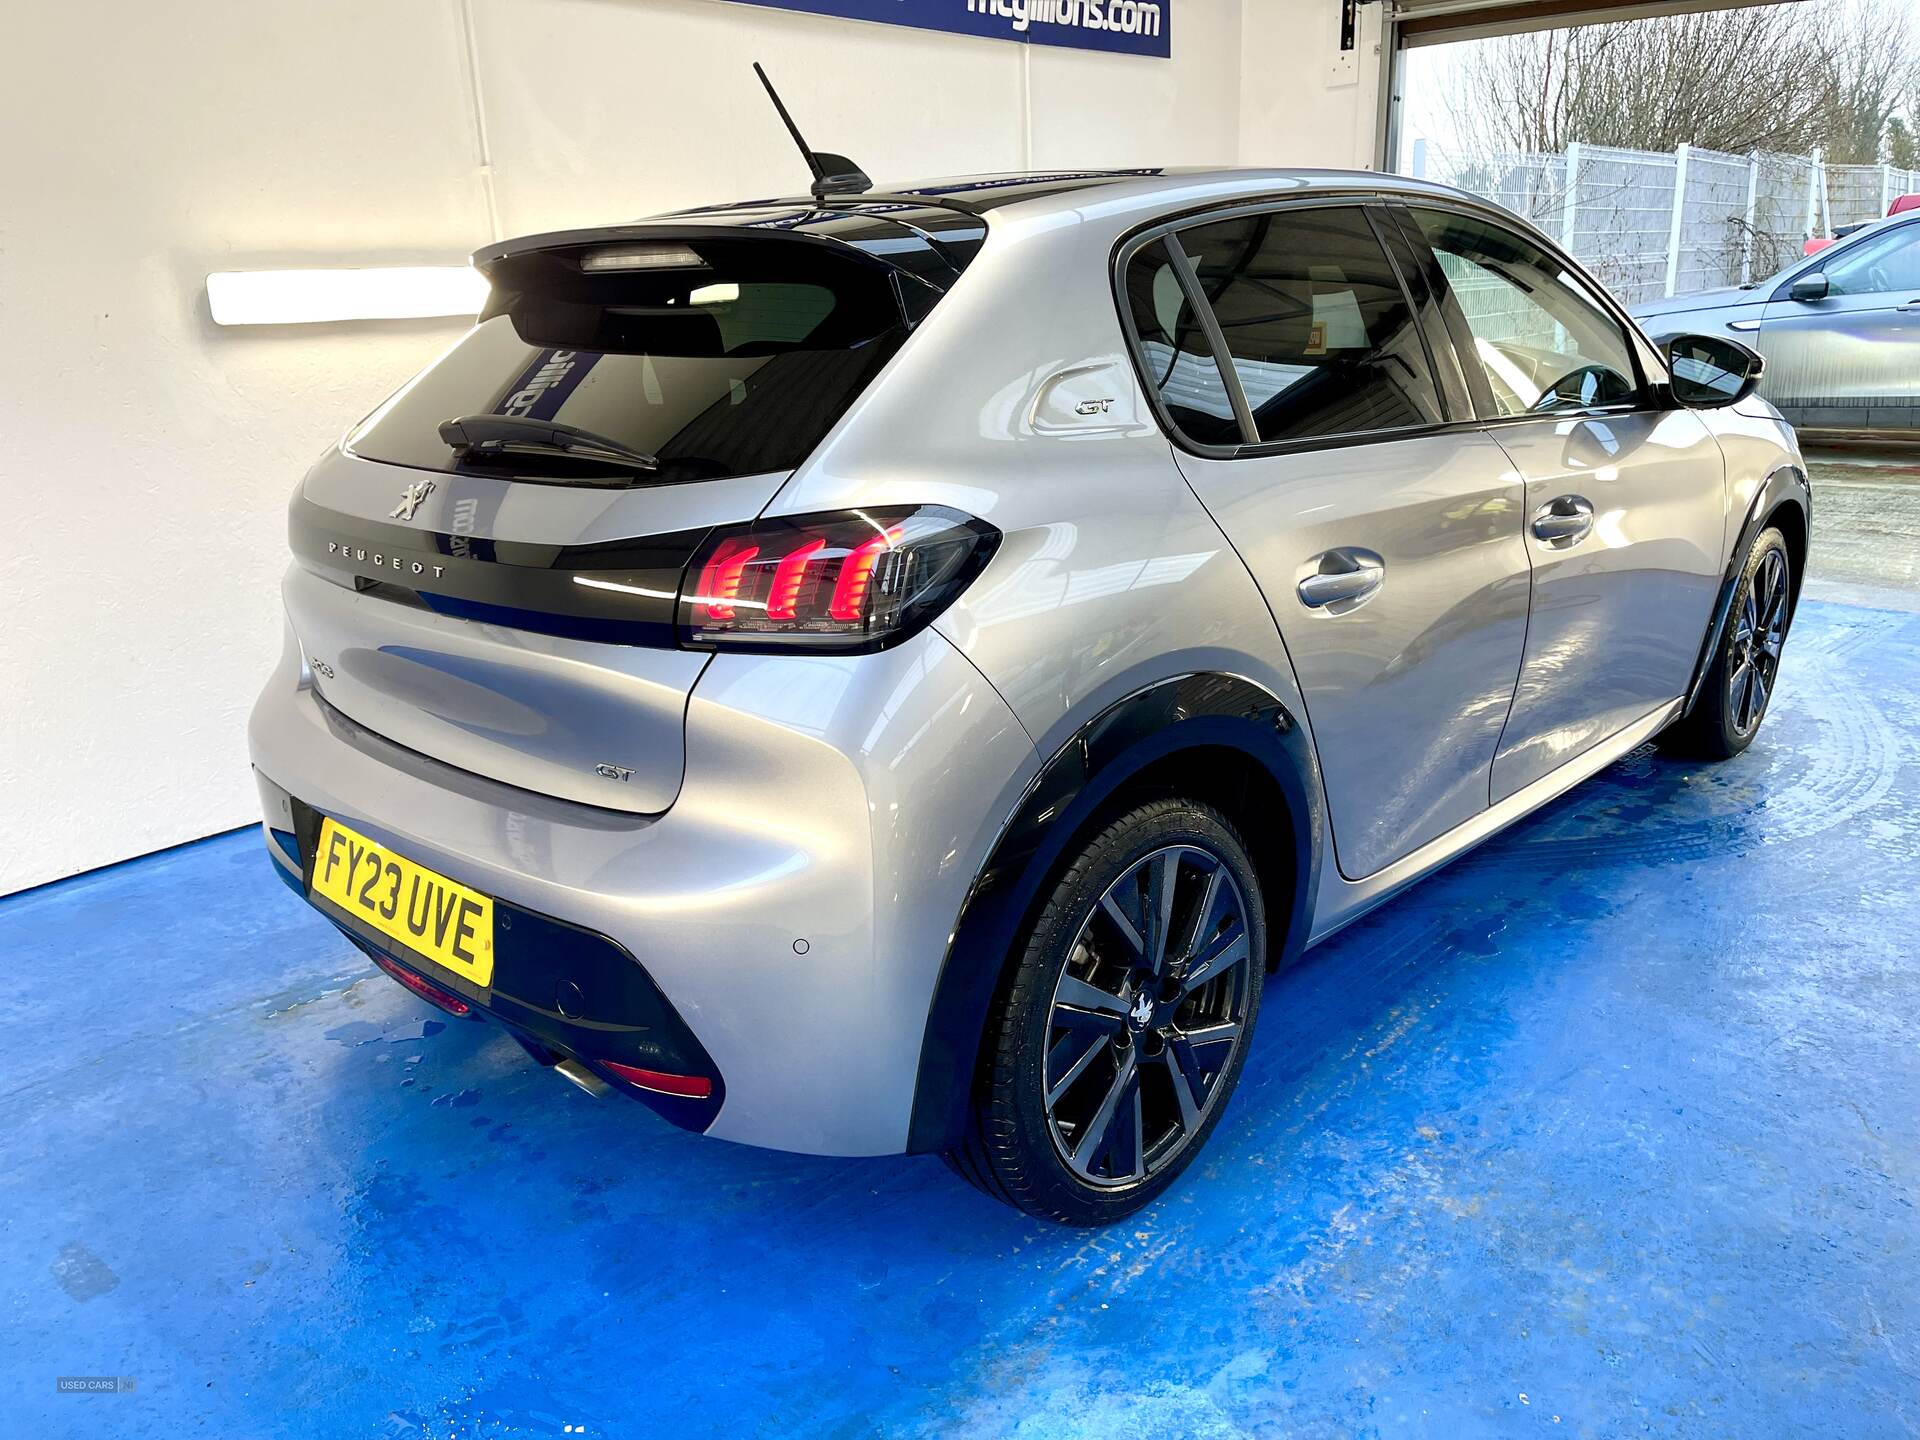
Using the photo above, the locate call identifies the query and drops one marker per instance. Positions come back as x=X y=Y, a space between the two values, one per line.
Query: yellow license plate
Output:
x=423 y=910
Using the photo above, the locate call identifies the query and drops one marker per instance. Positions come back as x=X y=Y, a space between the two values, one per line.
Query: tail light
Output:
x=852 y=580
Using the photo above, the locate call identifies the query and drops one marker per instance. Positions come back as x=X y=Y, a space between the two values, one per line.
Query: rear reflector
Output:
x=693 y=1087
x=425 y=989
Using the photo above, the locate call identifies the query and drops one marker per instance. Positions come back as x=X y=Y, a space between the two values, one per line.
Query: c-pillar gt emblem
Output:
x=410 y=499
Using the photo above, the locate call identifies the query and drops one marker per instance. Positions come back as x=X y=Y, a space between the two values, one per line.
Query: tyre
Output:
x=1123 y=1025
x=1740 y=682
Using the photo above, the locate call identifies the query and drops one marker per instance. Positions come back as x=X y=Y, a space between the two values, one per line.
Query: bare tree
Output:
x=1782 y=78
x=1834 y=76
x=1902 y=148
x=1735 y=80
x=1871 y=58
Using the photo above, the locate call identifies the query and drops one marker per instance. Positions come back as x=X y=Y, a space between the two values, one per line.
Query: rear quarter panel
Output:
x=1111 y=574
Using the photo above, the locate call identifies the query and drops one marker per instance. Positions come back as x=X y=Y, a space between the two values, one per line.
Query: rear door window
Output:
x=1317 y=325
x=737 y=362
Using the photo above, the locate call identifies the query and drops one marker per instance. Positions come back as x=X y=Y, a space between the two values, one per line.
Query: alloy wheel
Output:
x=1147 y=1016
x=1759 y=633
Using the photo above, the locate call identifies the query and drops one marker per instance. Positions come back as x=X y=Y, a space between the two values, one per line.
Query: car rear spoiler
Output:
x=928 y=244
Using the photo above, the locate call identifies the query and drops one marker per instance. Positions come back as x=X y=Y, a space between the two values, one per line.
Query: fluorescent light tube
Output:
x=304 y=297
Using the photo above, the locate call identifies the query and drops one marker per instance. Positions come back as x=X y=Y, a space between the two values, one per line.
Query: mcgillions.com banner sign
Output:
x=1133 y=27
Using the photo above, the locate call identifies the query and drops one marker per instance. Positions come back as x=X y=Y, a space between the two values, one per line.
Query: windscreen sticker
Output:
x=545 y=384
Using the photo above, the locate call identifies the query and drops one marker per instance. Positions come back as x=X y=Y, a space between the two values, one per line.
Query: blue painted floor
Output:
x=1614 y=1127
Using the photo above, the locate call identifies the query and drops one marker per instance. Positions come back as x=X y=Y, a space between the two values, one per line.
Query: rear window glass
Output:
x=1317 y=326
x=734 y=365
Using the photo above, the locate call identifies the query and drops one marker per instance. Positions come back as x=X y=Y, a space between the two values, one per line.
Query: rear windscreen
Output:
x=735 y=363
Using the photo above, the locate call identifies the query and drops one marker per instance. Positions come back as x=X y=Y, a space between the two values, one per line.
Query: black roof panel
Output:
x=970 y=194
x=987 y=192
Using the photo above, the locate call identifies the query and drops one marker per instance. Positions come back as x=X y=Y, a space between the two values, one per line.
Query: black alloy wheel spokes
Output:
x=1759 y=634
x=1147 y=1015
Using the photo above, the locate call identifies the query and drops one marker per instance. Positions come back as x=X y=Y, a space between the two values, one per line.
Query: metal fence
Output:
x=1650 y=223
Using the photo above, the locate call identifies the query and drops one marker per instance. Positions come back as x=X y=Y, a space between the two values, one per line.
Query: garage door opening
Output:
x=1671 y=154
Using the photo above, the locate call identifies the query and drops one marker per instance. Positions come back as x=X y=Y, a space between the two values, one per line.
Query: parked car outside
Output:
x=1840 y=330
x=893 y=672
x=1815 y=244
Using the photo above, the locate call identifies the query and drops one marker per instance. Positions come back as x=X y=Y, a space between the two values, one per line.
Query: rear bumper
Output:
x=790 y=912
x=562 y=991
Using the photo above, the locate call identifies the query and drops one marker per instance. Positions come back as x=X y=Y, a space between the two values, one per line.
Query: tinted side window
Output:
x=1542 y=338
x=1890 y=263
x=1173 y=346
x=1317 y=325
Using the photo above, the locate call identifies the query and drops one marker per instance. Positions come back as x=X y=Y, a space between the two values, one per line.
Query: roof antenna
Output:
x=832 y=174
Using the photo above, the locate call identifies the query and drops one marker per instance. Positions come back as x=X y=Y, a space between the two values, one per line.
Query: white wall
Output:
x=146 y=454
x=1301 y=102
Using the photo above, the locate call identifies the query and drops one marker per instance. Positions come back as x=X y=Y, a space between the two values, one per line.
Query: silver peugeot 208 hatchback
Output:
x=894 y=671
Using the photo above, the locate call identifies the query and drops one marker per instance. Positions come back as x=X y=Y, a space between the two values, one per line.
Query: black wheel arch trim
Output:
x=1202 y=709
x=1786 y=486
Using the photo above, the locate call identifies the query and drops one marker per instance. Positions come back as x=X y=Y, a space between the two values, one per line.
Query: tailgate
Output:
x=487 y=568
x=544 y=660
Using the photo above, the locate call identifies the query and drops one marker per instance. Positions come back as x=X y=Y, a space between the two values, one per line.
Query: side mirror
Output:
x=1710 y=370
x=1808 y=287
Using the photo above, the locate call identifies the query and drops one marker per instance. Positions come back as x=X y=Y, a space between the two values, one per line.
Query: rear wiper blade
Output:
x=486 y=436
